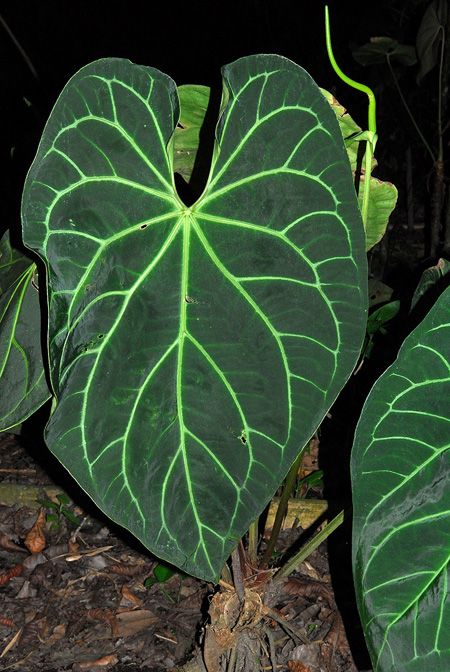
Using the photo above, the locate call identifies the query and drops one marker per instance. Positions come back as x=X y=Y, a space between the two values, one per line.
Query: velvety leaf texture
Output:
x=23 y=388
x=401 y=500
x=194 y=350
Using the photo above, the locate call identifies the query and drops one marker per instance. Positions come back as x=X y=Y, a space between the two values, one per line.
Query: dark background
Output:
x=190 y=42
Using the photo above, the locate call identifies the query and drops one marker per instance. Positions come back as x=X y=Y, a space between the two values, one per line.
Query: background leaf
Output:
x=401 y=499
x=382 y=201
x=430 y=281
x=430 y=35
x=383 y=195
x=194 y=99
x=22 y=378
x=217 y=335
x=379 y=49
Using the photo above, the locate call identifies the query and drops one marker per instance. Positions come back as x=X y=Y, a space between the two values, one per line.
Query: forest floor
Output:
x=82 y=600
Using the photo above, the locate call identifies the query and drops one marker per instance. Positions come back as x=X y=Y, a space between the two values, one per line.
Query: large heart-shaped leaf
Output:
x=22 y=378
x=401 y=495
x=194 y=350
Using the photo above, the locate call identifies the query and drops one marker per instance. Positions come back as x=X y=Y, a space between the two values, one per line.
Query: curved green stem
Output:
x=306 y=550
x=372 y=118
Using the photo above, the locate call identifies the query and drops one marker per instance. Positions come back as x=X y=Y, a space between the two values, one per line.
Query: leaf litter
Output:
x=76 y=600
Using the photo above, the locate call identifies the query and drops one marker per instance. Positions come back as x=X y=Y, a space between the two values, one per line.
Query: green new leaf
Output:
x=382 y=201
x=401 y=500
x=382 y=195
x=22 y=379
x=194 y=100
x=194 y=350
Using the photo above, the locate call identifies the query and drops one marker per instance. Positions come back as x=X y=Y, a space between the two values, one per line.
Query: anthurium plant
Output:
x=193 y=350
x=219 y=333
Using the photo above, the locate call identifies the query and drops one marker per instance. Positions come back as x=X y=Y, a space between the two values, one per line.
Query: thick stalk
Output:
x=371 y=117
x=252 y=550
x=306 y=550
x=281 y=511
x=237 y=575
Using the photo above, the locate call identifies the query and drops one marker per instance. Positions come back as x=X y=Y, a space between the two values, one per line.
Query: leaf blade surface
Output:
x=400 y=473
x=178 y=315
x=22 y=377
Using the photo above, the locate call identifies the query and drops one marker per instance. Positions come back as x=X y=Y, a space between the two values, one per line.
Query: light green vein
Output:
x=276 y=172
x=156 y=259
x=424 y=520
x=150 y=111
x=250 y=132
x=180 y=402
x=21 y=285
x=231 y=278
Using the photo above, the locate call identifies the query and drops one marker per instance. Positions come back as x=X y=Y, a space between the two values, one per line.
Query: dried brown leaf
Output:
x=35 y=540
x=128 y=596
x=131 y=622
x=105 y=615
x=104 y=661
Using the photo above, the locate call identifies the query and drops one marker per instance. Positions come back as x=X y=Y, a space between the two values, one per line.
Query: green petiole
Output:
x=371 y=134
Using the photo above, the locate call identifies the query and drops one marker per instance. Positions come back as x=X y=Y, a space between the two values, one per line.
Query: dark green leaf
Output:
x=71 y=517
x=22 y=379
x=378 y=292
x=163 y=573
x=401 y=500
x=63 y=498
x=430 y=36
x=379 y=49
x=194 y=349
x=382 y=315
x=430 y=280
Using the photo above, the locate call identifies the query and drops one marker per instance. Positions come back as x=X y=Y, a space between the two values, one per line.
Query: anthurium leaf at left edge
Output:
x=194 y=350
x=401 y=502
x=23 y=388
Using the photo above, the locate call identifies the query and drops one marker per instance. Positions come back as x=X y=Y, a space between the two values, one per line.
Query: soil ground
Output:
x=83 y=602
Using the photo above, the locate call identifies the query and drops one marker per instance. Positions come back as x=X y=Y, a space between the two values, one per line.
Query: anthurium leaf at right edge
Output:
x=401 y=500
x=23 y=387
x=194 y=350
